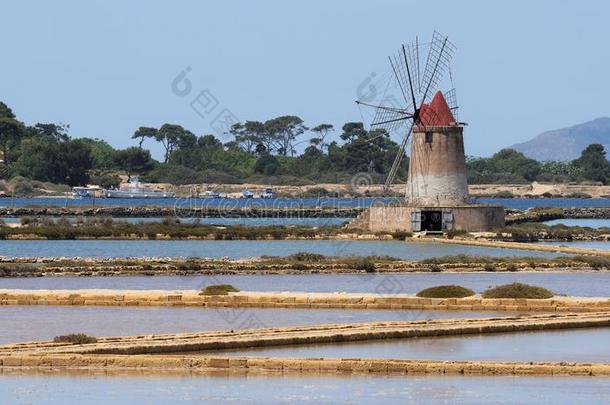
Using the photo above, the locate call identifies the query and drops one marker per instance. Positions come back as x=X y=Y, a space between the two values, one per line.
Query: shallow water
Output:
x=256 y=389
x=579 y=345
x=588 y=222
x=525 y=203
x=244 y=248
x=518 y=203
x=582 y=284
x=589 y=244
x=291 y=221
x=199 y=202
x=27 y=323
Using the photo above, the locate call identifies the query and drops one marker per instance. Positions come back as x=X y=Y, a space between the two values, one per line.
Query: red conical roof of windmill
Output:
x=437 y=112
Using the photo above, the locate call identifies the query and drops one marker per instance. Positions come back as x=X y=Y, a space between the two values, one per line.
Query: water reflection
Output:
x=580 y=345
x=245 y=248
x=127 y=388
x=27 y=323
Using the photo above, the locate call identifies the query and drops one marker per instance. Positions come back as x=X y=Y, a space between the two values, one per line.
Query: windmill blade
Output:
x=391 y=114
x=392 y=109
x=404 y=54
x=400 y=84
x=397 y=160
x=404 y=64
x=379 y=124
x=399 y=98
x=390 y=120
x=417 y=59
x=439 y=57
x=451 y=98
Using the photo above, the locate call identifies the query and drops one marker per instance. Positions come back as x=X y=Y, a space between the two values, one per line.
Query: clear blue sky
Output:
x=106 y=67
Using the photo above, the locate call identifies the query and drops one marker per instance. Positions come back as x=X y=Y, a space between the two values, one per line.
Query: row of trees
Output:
x=274 y=151
x=510 y=166
x=46 y=152
x=270 y=149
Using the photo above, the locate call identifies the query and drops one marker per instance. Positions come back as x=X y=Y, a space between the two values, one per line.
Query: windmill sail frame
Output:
x=414 y=85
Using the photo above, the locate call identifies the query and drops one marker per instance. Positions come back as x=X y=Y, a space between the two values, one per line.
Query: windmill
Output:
x=414 y=105
x=436 y=198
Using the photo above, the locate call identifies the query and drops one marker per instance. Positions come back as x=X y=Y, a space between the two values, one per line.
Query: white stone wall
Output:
x=437 y=190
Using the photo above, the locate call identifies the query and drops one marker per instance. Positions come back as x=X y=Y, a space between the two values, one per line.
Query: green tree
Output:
x=365 y=151
x=511 y=161
x=197 y=153
x=144 y=132
x=284 y=131
x=352 y=130
x=102 y=153
x=506 y=166
x=248 y=135
x=44 y=158
x=322 y=131
x=558 y=171
x=11 y=132
x=76 y=161
x=59 y=132
x=593 y=163
x=39 y=159
x=171 y=136
x=5 y=111
x=267 y=165
x=313 y=163
x=133 y=160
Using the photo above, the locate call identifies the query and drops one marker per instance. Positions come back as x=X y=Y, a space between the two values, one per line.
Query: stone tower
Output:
x=437 y=169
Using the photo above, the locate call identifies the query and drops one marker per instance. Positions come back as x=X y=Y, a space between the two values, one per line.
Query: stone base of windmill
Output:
x=430 y=219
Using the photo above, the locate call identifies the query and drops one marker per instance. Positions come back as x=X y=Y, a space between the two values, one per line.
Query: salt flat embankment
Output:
x=193 y=298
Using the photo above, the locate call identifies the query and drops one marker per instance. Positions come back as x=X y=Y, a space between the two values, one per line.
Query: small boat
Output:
x=84 y=192
x=209 y=194
x=268 y=193
x=135 y=189
x=247 y=193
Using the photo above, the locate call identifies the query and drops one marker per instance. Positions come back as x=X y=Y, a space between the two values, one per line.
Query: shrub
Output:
x=504 y=194
x=596 y=262
x=489 y=267
x=435 y=268
x=170 y=221
x=459 y=258
x=21 y=186
x=188 y=266
x=174 y=174
x=28 y=220
x=219 y=289
x=446 y=291
x=299 y=266
x=517 y=290
x=306 y=257
x=523 y=237
x=511 y=267
x=451 y=233
x=318 y=192
x=75 y=338
x=401 y=235
x=364 y=264
x=578 y=194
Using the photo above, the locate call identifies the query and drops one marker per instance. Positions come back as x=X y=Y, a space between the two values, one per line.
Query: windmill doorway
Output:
x=431 y=220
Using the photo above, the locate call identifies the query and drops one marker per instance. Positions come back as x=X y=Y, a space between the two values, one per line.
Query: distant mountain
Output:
x=567 y=143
